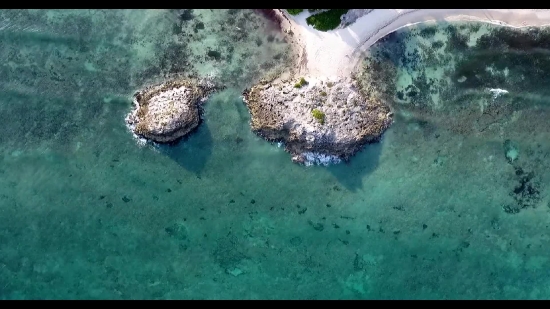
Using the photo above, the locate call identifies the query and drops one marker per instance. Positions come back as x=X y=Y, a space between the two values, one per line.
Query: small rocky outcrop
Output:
x=166 y=112
x=319 y=120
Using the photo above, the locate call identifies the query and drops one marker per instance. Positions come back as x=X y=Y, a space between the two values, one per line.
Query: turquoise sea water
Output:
x=452 y=204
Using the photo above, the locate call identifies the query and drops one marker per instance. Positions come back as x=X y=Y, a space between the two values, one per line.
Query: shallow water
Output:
x=87 y=213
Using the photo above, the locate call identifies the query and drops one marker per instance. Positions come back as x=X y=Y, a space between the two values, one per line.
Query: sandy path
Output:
x=336 y=52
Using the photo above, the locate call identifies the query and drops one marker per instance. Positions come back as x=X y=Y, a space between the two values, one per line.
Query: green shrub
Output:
x=319 y=115
x=327 y=20
x=294 y=11
x=300 y=83
x=324 y=94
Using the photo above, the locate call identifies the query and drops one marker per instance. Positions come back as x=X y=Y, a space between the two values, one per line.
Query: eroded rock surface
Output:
x=166 y=112
x=325 y=120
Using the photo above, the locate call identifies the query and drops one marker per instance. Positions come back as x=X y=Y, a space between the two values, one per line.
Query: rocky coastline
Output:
x=169 y=111
x=318 y=120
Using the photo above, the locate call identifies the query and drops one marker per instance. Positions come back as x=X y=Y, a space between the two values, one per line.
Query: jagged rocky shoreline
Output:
x=319 y=120
x=167 y=112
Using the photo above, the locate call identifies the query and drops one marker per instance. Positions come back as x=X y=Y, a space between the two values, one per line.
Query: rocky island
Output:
x=319 y=120
x=169 y=111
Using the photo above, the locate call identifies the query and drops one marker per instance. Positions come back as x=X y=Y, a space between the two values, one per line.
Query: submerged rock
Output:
x=166 y=112
x=319 y=120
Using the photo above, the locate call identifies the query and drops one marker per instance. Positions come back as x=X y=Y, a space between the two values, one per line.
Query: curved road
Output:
x=336 y=52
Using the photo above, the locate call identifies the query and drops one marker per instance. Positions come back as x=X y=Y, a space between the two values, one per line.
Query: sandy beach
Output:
x=336 y=52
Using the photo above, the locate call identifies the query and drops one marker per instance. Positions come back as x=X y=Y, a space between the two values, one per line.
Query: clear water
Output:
x=87 y=213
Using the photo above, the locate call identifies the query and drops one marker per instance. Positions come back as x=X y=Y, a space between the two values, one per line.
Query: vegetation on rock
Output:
x=327 y=20
x=301 y=83
x=294 y=11
x=319 y=115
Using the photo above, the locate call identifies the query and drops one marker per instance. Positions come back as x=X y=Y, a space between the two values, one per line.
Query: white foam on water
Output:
x=497 y=92
x=314 y=158
x=140 y=141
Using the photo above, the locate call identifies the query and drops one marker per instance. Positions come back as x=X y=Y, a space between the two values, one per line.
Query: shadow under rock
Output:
x=350 y=174
x=191 y=152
